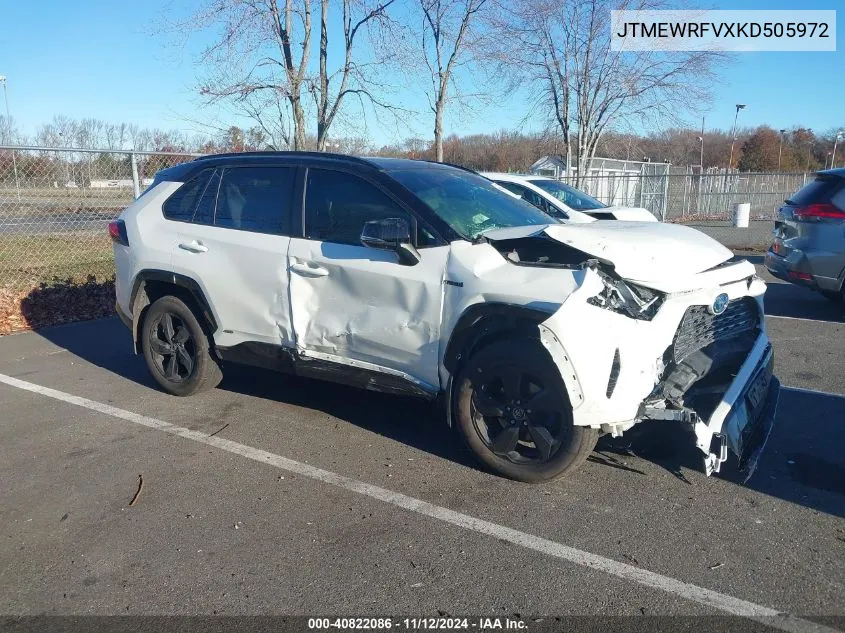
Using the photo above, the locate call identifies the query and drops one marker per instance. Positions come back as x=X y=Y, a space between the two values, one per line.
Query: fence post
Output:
x=136 y=184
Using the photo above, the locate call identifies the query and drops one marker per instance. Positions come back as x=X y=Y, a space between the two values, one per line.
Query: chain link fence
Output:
x=703 y=200
x=55 y=205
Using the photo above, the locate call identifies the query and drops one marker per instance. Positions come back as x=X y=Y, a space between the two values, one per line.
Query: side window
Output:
x=510 y=186
x=524 y=193
x=256 y=199
x=182 y=202
x=337 y=205
x=204 y=213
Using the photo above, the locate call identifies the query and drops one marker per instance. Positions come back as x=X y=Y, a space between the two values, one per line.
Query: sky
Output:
x=110 y=60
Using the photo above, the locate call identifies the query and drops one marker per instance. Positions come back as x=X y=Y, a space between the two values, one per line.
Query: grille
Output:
x=699 y=328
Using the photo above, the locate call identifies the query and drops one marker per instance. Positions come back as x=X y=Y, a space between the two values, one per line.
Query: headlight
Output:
x=626 y=298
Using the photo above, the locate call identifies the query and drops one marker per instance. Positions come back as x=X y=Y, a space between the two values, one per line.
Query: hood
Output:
x=640 y=214
x=639 y=251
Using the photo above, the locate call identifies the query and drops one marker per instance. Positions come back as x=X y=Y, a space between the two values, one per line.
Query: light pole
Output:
x=809 y=147
x=9 y=123
x=780 y=149
x=701 y=149
x=739 y=106
x=835 y=141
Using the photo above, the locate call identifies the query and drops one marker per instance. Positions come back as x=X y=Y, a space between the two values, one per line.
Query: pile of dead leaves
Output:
x=56 y=302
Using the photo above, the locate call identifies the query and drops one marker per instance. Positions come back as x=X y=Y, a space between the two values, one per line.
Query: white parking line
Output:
x=688 y=591
x=814 y=392
x=790 y=318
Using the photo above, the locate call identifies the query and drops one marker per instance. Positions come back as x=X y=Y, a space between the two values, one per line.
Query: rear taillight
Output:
x=792 y=274
x=817 y=211
x=117 y=232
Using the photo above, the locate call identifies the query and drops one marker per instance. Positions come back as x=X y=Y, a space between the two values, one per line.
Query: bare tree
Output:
x=10 y=133
x=351 y=77
x=116 y=135
x=261 y=62
x=588 y=87
x=448 y=36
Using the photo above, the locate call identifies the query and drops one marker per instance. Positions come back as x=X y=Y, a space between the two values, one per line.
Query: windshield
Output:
x=467 y=202
x=569 y=196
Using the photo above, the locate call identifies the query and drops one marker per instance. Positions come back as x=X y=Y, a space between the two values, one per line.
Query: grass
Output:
x=29 y=260
x=49 y=201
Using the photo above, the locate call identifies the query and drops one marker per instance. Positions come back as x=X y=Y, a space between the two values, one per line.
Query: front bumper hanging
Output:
x=744 y=420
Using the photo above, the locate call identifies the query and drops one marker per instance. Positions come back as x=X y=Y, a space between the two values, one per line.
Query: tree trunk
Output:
x=438 y=131
x=298 y=125
x=323 y=102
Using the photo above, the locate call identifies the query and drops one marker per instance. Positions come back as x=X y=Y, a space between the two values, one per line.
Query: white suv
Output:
x=425 y=279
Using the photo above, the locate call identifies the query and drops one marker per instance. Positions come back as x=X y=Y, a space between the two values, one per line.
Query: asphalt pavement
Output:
x=280 y=495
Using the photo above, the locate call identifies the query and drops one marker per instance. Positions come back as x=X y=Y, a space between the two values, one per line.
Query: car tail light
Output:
x=800 y=276
x=117 y=231
x=816 y=211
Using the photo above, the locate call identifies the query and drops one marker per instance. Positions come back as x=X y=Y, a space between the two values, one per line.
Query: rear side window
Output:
x=256 y=199
x=337 y=205
x=204 y=213
x=182 y=202
x=819 y=190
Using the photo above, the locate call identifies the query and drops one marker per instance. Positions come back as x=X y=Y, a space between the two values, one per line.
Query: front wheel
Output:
x=177 y=349
x=512 y=409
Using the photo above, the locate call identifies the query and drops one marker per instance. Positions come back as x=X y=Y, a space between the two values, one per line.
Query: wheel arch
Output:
x=482 y=324
x=152 y=284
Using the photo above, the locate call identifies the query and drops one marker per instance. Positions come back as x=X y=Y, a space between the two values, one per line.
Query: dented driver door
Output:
x=355 y=305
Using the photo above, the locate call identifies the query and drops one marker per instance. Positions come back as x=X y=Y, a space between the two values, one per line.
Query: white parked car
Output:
x=563 y=201
x=424 y=279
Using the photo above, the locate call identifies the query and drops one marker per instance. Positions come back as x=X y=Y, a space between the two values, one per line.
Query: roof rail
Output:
x=455 y=165
x=284 y=153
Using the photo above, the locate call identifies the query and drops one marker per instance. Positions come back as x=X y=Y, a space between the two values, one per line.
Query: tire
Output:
x=178 y=355
x=492 y=405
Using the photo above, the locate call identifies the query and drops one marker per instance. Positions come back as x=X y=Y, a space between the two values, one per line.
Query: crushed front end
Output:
x=718 y=375
x=699 y=356
x=663 y=324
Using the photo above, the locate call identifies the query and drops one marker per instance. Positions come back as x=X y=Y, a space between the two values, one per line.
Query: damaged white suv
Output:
x=425 y=279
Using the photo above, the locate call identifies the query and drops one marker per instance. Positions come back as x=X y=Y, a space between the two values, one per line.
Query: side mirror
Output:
x=391 y=234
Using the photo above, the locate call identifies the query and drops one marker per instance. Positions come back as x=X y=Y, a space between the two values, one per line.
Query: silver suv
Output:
x=809 y=244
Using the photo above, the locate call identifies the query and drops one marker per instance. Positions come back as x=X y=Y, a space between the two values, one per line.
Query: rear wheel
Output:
x=512 y=409
x=177 y=349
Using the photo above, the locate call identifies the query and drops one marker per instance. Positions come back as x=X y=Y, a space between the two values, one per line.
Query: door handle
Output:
x=193 y=247
x=309 y=271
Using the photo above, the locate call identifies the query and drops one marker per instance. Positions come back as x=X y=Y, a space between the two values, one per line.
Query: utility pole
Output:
x=835 y=141
x=809 y=148
x=739 y=106
x=9 y=123
x=780 y=149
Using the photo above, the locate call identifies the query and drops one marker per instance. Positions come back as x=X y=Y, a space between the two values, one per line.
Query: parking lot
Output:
x=280 y=495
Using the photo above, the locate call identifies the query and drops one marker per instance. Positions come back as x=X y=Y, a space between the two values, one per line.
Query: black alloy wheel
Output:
x=173 y=347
